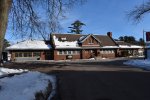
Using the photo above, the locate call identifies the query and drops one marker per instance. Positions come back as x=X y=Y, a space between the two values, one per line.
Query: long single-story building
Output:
x=30 y=50
x=127 y=49
x=69 y=46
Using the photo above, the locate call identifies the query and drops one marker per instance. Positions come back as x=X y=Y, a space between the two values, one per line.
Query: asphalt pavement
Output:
x=103 y=83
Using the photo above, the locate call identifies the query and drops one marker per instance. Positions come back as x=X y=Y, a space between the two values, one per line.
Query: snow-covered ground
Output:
x=24 y=86
x=145 y=64
x=6 y=71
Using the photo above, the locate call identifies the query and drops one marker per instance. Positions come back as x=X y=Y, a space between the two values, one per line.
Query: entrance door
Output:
x=48 y=55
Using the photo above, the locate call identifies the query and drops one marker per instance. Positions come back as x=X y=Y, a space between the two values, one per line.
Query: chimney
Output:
x=109 y=34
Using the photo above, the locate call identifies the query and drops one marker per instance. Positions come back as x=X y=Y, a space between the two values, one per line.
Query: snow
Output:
x=25 y=86
x=65 y=44
x=82 y=38
x=148 y=44
x=110 y=47
x=132 y=46
x=6 y=71
x=91 y=59
x=145 y=64
x=29 y=44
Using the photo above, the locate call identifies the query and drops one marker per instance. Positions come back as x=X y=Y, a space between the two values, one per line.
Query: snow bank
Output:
x=145 y=64
x=6 y=71
x=24 y=86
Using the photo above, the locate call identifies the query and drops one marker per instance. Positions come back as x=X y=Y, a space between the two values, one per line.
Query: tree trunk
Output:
x=4 y=11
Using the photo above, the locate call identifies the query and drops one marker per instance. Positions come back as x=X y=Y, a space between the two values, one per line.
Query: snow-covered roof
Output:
x=125 y=45
x=30 y=45
x=130 y=46
x=64 y=44
x=110 y=47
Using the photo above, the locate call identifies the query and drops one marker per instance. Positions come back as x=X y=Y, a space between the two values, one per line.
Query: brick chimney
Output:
x=109 y=34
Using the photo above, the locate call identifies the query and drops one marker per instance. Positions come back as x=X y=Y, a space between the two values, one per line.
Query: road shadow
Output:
x=93 y=85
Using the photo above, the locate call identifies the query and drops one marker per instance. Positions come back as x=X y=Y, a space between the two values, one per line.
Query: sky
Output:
x=102 y=16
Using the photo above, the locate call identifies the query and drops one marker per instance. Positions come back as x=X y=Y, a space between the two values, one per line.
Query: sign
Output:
x=147 y=36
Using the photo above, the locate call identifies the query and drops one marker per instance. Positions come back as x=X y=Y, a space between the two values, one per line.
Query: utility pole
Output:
x=144 y=44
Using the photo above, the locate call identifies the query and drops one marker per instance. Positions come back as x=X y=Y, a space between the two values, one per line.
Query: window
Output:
x=112 y=51
x=101 y=52
x=91 y=41
x=78 y=52
x=65 y=52
x=20 y=54
x=60 y=52
x=74 y=52
x=29 y=54
x=91 y=51
x=25 y=54
x=16 y=54
x=69 y=52
x=36 y=54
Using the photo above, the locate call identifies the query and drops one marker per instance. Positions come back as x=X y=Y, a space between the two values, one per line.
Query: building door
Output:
x=48 y=55
x=93 y=53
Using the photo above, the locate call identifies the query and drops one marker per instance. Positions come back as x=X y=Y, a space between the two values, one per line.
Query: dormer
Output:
x=89 y=40
x=62 y=39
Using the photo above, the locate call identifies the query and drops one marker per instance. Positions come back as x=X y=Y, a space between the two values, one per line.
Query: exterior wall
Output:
x=89 y=53
x=82 y=54
x=85 y=54
x=91 y=42
x=42 y=55
x=64 y=56
x=127 y=52
x=108 y=55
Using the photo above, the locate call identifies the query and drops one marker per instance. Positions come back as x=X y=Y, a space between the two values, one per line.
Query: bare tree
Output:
x=31 y=18
x=4 y=11
x=139 y=11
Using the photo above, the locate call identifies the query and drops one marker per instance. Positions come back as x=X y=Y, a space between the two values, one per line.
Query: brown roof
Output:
x=122 y=43
x=104 y=39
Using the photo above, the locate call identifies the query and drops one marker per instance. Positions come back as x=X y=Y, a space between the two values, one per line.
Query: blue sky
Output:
x=101 y=16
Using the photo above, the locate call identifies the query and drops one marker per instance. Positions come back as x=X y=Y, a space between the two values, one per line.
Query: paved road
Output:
x=103 y=84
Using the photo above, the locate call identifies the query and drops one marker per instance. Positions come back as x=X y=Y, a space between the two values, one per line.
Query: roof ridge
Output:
x=67 y=34
x=78 y=34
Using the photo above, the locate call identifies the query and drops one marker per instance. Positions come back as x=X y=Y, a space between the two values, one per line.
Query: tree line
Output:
x=132 y=40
